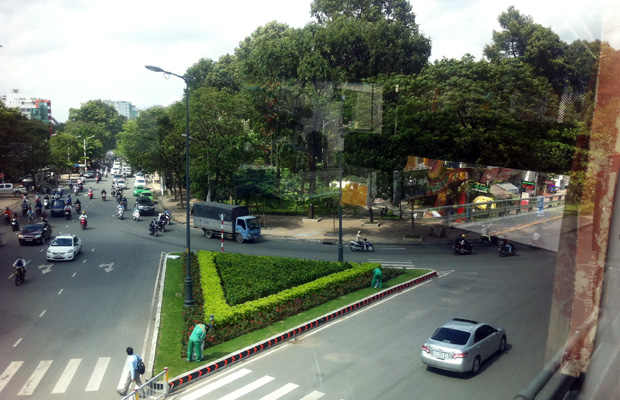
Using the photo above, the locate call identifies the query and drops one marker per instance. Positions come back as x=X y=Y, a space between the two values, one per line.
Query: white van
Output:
x=127 y=170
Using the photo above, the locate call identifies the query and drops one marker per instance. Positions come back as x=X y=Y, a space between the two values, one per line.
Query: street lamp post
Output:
x=85 y=158
x=189 y=299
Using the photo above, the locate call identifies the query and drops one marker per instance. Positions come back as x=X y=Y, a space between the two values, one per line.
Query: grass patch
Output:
x=169 y=344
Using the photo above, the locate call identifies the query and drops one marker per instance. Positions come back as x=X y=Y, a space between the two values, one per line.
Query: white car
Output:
x=121 y=184
x=64 y=247
x=139 y=182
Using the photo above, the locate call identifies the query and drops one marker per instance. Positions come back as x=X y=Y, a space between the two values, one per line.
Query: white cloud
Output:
x=73 y=51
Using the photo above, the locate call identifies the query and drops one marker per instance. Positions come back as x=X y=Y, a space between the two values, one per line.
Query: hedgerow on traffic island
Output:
x=246 y=293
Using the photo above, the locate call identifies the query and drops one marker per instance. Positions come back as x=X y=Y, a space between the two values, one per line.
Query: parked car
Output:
x=9 y=189
x=64 y=247
x=33 y=233
x=462 y=345
x=57 y=209
x=145 y=206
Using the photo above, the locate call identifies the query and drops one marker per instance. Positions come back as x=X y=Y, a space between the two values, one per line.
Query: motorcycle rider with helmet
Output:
x=84 y=219
x=20 y=267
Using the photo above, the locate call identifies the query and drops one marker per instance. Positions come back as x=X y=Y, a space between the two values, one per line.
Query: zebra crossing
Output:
x=247 y=384
x=77 y=374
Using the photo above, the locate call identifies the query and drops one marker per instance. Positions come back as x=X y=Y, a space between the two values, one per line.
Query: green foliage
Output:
x=106 y=120
x=247 y=278
x=236 y=320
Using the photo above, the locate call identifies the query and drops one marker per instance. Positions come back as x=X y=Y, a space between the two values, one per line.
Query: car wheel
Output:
x=502 y=344
x=475 y=368
x=208 y=233
x=239 y=238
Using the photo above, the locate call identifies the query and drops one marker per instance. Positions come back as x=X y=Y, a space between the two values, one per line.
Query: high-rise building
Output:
x=33 y=107
x=124 y=108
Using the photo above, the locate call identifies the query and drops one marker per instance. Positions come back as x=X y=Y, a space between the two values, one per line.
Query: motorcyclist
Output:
x=462 y=243
x=20 y=263
x=67 y=209
x=68 y=200
x=84 y=218
x=120 y=209
x=7 y=215
x=30 y=214
x=162 y=218
x=507 y=244
x=153 y=225
x=124 y=202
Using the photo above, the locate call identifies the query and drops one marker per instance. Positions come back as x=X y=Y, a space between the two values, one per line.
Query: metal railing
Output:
x=491 y=209
x=155 y=388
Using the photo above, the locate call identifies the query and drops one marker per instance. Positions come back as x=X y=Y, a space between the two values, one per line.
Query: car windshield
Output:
x=33 y=228
x=453 y=336
x=62 y=242
x=145 y=201
x=59 y=203
x=253 y=223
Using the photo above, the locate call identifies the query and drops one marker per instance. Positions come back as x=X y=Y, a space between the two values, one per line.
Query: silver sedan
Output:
x=462 y=345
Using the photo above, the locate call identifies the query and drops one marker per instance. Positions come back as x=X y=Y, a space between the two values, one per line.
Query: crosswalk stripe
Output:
x=248 y=388
x=289 y=387
x=95 y=379
x=35 y=378
x=217 y=384
x=313 y=396
x=9 y=372
x=67 y=375
x=121 y=382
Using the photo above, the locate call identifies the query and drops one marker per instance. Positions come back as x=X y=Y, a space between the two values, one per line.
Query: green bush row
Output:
x=237 y=320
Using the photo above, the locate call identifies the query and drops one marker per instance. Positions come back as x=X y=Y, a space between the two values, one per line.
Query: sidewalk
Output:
x=325 y=230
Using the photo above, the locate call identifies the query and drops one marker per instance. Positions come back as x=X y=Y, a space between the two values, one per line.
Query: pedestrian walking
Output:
x=134 y=374
x=196 y=340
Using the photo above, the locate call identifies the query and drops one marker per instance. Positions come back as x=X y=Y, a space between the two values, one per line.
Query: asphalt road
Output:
x=63 y=333
x=375 y=353
x=82 y=315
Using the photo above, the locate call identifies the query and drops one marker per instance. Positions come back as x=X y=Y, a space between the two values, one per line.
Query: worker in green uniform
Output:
x=195 y=342
x=377 y=278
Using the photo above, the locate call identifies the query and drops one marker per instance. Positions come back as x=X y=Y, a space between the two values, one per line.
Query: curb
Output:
x=251 y=350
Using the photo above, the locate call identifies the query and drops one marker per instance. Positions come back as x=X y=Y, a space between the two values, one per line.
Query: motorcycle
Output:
x=467 y=248
x=103 y=196
x=503 y=251
x=67 y=214
x=20 y=275
x=90 y=194
x=7 y=219
x=119 y=213
x=161 y=225
x=136 y=215
x=487 y=240
x=83 y=223
x=81 y=187
x=153 y=231
x=363 y=245
x=46 y=204
x=98 y=179
x=78 y=207
x=76 y=191
x=168 y=215
x=14 y=223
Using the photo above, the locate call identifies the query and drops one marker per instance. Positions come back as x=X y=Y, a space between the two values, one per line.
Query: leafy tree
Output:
x=104 y=116
x=65 y=151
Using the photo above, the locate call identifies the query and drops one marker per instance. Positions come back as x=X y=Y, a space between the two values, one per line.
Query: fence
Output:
x=471 y=212
x=155 y=388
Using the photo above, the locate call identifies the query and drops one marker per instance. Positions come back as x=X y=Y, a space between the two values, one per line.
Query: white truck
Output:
x=238 y=223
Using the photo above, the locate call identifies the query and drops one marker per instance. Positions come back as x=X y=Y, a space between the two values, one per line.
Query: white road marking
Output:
x=289 y=387
x=248 y=388
x=84 y=261
x=74 y=274
x=216 y=385
x=43 y=313
x=95 y=379
x=17 y=343
x=61 y=291
x=121 y=382
x=9 y=372
x=67 y=376
x=313 y=396
x=35 y=378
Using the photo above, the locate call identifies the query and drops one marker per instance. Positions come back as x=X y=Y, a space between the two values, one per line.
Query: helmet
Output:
x=83 y=212
x=463 y=235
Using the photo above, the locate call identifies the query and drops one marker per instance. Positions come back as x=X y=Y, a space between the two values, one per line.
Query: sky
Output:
x=73 y=51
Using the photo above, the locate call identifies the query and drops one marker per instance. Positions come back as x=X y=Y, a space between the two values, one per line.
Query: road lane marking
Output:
x=84 y=261
x=95 y=379
x=313 y=396
x=248 y=388
x=217 y=384
x=40 y=315
x=121 y=382
x=289 y=387
x=17 y=343
x=92 y=250
x=35 y=378
x=61 y=291
x=74 y=274
x=67 y=376
x=9 y=372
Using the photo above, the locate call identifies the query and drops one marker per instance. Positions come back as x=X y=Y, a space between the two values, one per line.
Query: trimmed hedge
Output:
x=237 y=320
